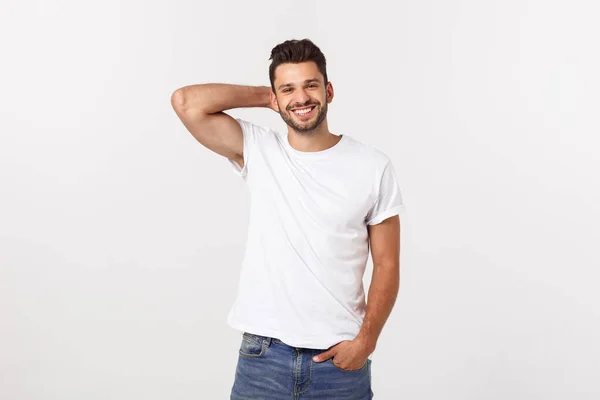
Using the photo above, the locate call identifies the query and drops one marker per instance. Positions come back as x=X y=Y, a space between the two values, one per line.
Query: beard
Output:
x=305 y=127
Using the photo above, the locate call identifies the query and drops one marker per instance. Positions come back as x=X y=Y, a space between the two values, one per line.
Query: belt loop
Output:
x=267 y=340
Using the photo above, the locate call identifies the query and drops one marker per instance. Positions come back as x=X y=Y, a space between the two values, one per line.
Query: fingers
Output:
x=326 y=355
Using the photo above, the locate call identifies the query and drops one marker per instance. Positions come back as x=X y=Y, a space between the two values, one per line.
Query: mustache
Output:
x=308 y=103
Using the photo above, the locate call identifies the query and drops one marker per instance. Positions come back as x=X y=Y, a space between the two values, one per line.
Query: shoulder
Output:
x=256 y=133
x=252 y=128
x=257 y=137
x=368 y=155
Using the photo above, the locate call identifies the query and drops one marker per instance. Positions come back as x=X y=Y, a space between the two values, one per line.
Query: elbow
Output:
x=189 y=100
x=178 y=100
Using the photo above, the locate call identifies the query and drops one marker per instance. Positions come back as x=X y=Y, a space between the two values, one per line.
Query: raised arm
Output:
x=200 y=108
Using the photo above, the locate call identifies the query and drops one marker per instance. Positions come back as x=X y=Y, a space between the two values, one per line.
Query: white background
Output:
x=121 y=237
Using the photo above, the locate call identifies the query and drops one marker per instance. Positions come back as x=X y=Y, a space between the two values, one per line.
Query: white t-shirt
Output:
x=301 y=279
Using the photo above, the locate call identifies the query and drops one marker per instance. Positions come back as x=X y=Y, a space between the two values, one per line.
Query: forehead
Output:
x=296 y=73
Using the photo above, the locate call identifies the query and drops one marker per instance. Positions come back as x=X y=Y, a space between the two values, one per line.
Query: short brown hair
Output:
x=296 y=51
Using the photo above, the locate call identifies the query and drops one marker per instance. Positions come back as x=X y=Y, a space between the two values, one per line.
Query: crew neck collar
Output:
x=314 y=154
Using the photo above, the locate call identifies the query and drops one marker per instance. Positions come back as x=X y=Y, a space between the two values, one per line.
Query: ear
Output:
x=273 y=100
x=329 y=91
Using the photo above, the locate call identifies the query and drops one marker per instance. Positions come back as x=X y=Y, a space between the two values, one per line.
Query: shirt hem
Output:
x=291 y=340
x=387 y=214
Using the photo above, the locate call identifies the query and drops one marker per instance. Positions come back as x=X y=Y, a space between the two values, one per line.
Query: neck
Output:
x=318 y=140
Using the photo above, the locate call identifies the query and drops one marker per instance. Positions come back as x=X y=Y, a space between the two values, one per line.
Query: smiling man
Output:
x=319 y=203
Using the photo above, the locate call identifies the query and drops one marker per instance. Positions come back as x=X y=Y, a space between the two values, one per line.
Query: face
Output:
x=301 y=96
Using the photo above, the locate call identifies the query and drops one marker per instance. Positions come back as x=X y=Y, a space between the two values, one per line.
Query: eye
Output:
x=286 y=90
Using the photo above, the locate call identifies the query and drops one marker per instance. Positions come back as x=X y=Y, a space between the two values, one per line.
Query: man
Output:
x=319 y=201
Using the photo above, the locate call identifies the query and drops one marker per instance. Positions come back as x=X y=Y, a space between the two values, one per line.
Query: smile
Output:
x=303 y=112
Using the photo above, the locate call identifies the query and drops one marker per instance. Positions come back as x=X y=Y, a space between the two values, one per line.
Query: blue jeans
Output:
x=269 y=369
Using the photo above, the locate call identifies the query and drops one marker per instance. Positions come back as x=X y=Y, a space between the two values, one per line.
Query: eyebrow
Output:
x=306 y=81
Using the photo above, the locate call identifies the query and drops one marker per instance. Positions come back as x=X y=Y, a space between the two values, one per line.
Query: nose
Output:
x=302 y=97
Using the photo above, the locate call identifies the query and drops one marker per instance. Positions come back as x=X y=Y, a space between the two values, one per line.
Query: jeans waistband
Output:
x=262 y=339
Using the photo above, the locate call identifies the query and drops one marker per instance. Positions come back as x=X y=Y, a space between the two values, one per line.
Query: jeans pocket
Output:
x=350 y=370
x=252 y=346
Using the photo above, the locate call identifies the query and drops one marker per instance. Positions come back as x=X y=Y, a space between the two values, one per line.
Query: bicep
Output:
x=218 y=132
x=384 y=240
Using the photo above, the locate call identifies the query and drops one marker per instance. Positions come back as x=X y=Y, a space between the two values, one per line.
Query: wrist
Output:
x=368 y=343
x=265 y=95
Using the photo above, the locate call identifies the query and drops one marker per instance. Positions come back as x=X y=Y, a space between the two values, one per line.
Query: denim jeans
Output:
x=269 y=369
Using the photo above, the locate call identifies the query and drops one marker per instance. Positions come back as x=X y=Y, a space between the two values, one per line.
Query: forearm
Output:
x=210 y=98
x=383 y=292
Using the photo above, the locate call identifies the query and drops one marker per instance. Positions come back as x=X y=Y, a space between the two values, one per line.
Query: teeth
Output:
x=304 y=111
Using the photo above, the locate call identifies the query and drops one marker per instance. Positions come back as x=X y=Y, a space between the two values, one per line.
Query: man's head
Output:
x=299 y=82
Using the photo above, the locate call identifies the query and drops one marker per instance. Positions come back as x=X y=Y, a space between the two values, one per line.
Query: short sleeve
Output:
x=250 y=134
x=388 y=202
